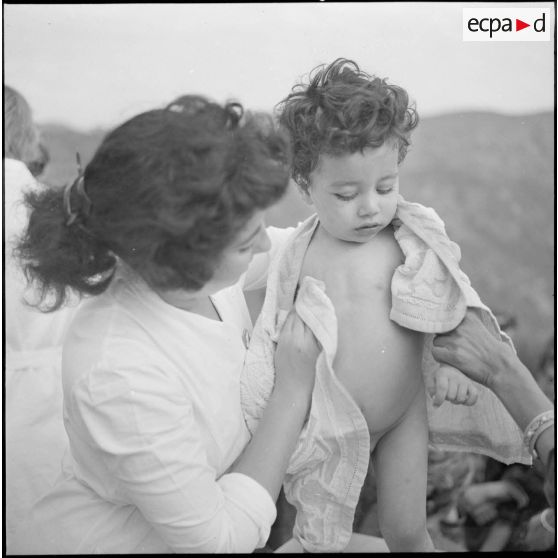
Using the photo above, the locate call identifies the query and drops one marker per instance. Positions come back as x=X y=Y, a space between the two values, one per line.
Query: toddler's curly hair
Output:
x=343 y=110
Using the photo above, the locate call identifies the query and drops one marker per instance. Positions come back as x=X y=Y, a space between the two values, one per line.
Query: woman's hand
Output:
x=473 y=350
x=267 y=456
x=295 y=356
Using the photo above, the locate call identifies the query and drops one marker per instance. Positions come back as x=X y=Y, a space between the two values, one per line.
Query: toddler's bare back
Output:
x=377 y=361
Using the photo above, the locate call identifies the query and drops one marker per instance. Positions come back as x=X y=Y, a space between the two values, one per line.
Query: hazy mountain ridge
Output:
x=63 y=143
x=491 y=179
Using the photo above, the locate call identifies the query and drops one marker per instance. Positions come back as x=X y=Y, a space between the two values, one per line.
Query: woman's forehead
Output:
x=251 y=228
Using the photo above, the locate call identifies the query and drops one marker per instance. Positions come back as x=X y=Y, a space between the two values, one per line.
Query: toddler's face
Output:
x=355 y=195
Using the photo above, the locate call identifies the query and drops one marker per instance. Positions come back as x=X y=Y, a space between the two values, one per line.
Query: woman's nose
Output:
x=263 y=242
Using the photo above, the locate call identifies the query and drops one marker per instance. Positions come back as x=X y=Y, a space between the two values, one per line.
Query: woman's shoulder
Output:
x=106 y=334
x=118 y=368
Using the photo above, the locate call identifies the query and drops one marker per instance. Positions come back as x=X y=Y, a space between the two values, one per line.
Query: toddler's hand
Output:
x=449 y=384
x=472 y=349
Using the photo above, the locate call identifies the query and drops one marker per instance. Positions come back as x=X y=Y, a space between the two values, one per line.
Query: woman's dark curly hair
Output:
x=343 y=110
x=169 y=191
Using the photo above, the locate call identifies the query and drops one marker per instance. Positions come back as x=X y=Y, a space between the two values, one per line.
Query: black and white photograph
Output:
x=279 y=277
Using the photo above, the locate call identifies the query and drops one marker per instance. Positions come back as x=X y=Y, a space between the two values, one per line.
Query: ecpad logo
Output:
x=494 y=24
x=506 y=24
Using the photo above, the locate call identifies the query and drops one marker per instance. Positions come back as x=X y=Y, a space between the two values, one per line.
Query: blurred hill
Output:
x=62 y=144
x=491 y=179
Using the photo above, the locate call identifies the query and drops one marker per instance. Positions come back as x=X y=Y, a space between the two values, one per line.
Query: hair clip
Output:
x=78 y=161
x=84 y=201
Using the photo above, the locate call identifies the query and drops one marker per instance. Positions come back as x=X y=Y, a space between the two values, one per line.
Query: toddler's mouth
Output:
x=368 y=227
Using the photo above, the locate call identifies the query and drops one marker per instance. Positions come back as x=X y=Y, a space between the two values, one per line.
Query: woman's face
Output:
x=251 y=240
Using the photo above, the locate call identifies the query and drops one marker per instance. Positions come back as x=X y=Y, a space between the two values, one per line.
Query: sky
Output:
x=95 y=65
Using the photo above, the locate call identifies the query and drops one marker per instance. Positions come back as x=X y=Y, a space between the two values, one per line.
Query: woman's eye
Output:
x=345 y=197
x=245 y=249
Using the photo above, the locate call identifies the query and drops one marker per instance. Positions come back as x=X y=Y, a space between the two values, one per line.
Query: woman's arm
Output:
x=477 y=353
x=256 y=275
x=148 y=439
x=266 y=457
x=136 y=426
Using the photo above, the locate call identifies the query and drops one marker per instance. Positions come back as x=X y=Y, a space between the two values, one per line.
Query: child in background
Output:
x=367 y=260
x=35 y=437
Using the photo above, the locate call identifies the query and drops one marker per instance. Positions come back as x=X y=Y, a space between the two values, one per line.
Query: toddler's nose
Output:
x=368 y=206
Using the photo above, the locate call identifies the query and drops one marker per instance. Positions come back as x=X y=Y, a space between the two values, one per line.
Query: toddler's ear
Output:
x=305 y=194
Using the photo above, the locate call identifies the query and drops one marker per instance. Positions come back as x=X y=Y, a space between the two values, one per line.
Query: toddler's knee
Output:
x=403 y=536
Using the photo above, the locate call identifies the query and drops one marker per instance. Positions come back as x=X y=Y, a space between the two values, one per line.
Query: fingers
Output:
x=441 y=389
x=465 y=392
x=295 y=329
x=451 y=385
x=441 y=342
x=462 y=393
x=296 y=335
x=443 y=349
x=451 y=393
x=472 y=395
x=431 y=386
x=296 y=356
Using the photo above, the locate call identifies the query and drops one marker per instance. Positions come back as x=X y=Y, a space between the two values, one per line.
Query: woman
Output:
x=161 y=230
x=491 y=363
x=35 y=436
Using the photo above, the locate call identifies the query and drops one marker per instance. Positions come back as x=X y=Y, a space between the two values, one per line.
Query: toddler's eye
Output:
x=345 y=197
x=245 y=249
x=385 y=189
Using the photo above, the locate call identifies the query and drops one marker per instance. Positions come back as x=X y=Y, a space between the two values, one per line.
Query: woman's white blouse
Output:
x=152 y=411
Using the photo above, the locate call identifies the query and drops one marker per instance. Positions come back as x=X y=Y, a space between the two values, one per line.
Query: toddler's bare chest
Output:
x=352 y=272
x=377 y=361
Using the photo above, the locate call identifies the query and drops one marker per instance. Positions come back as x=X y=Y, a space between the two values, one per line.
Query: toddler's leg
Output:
x=400 y=462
